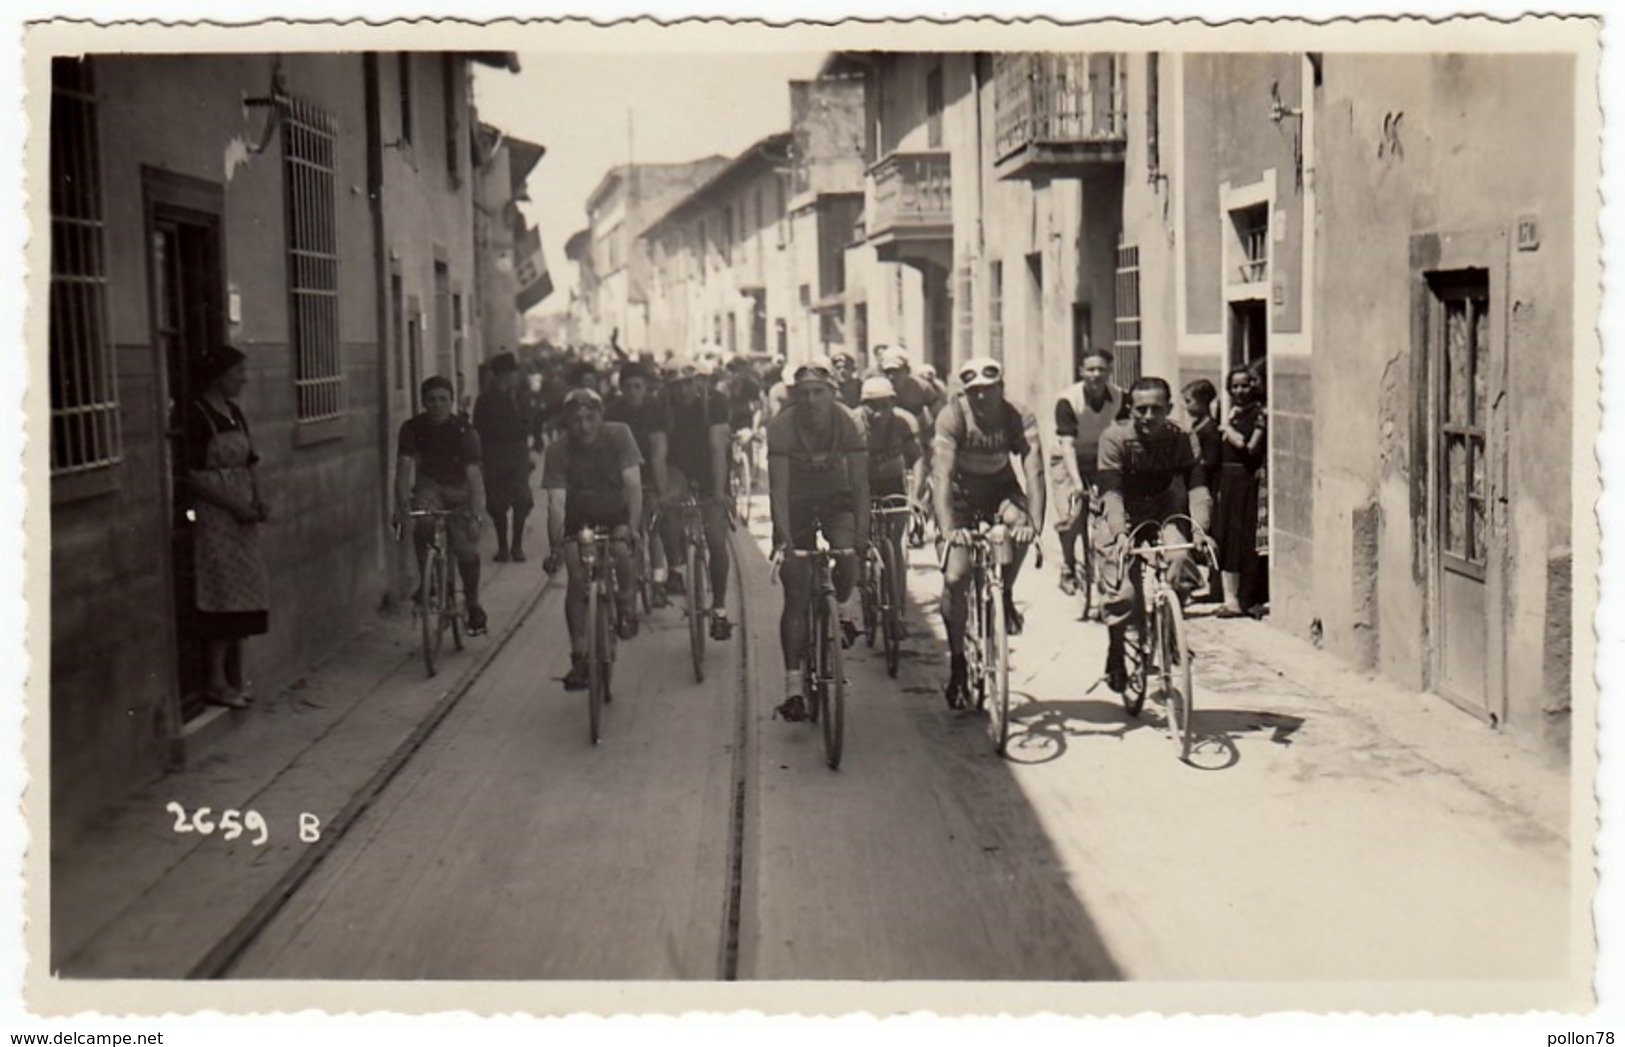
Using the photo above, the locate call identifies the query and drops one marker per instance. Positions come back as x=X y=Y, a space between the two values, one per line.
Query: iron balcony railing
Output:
x=1048 y=98
x=912 y=191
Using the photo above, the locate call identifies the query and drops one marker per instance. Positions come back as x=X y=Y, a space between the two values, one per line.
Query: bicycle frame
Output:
x=884 y=587
x=987 y=644
x=438 y=586
x=823 y=668
x=599 y=566
x=1162 y=633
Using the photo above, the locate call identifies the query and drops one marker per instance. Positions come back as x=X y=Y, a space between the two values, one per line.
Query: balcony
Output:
x=1058 y=115
x=911 y=213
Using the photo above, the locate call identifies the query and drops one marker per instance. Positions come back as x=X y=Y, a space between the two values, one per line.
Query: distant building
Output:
x=614 y=300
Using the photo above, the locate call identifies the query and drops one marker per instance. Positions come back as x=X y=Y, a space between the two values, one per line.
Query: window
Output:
x=995 y=310
x=450 y=81
x=313 y=265
x=1252 y=226
x=780 y=212
x=84 y=400
x=403 y=63
x=1463 y=306
x=1126 y=344
x=933 y=108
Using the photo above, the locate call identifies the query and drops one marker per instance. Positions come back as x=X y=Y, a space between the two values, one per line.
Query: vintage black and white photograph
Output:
x=893 y=507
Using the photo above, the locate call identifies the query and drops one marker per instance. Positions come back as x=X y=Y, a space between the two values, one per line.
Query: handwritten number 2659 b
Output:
x=231 y=825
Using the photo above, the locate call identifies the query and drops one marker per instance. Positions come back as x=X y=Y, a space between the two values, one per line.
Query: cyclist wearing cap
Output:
x=1150 y=468
x=438 y=458
x=593 y=478
x=918 y=399
x=977 y=433
x=892 y=436
x=818 y=477
x=698 y=441
x=640 y=410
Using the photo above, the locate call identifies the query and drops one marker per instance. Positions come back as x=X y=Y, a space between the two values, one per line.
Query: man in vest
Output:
x=1082 y=414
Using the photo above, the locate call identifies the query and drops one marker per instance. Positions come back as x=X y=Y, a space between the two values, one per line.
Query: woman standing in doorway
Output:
x=232 y=587
x=1241 y=456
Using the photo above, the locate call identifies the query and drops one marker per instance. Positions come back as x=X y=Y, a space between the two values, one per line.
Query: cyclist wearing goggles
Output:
x=438 y=458
x=977 y=433
x=1150 y=468
x=593 y=478
x=818 y=476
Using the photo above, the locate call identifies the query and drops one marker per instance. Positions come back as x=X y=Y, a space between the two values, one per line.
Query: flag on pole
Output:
x=531 y=277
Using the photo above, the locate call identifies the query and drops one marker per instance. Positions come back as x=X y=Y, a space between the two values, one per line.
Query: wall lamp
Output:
x=1279 y=112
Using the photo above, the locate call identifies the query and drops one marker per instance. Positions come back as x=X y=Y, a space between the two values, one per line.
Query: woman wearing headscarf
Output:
x=502 y=417
x=232 y=592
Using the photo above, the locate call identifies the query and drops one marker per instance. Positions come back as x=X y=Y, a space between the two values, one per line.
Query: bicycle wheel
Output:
x=646 y=583
x=833 y=693
x=452 y=614
x=596 y=684
x=998 y=657
x=890 y=613
x=429 y=610
x=696 y=608
x=814 y=667
x=1175 y=669
x=975 y=645
x=868 y=594
x=1135 y=658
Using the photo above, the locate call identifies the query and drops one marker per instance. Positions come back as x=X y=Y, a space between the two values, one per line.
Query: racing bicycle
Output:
x=437 y=607
x=823 y=662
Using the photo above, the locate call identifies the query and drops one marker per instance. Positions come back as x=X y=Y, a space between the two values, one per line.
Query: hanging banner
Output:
x=531 y=275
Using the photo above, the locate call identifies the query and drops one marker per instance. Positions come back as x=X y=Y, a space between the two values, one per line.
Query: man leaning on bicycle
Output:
x=1150 y=469
x=977 y=433
x=818 y=480
x=438 y=467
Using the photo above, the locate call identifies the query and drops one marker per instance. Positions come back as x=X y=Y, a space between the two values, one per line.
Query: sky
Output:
x=683 y=107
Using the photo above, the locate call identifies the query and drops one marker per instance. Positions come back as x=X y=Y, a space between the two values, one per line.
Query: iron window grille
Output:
x=309 y=153
x=1126 y=343
x=84 y=398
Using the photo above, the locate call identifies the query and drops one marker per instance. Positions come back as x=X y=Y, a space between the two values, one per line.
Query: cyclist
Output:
x=921 y=400
x=593 y=478
x=1150 y=468
x=1082 y=414
x=438 y=467
x=818 y=479
x=848 y=386
x=892 y=437
x=977 y=433
x=640 y=410
x=698 y=467
x=744 y=405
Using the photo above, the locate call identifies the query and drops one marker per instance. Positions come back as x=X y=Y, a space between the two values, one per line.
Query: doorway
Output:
x=1463 y=361
x=1249 y=321
x=1249 y=347
x=188 y=316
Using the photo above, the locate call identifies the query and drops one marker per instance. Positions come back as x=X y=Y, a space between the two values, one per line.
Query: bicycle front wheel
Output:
x=451 y=615
x=697 y=567
x=1175 y=668
x=429 y=611
x=833 y=693
x=597 y=685
x=998 y=658
x=891 y=622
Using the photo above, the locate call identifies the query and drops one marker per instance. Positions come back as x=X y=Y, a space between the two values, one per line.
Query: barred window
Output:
x=84 y=398
x=313 y=263
x=1126 y=344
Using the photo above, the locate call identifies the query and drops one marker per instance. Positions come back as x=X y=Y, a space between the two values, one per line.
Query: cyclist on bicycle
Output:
x=698 y=468
x=593 y=478
x=818 y=478
x=1150 y=468
x=848 y=385
x=438 y=467
x=977 y=433
x=891 y=433
x=919 y=399
x=744 y=398
x=638 y=408
x=1082 y=414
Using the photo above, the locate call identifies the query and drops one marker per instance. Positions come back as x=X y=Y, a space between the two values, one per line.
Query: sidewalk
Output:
x=131 y=897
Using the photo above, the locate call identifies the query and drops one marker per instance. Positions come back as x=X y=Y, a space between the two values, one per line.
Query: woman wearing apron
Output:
x=232 y=590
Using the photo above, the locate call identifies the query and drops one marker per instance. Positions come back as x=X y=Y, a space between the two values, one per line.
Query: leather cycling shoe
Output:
x=576 y=678
x=792 y=710
x=476 y=621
